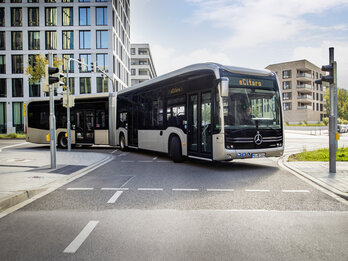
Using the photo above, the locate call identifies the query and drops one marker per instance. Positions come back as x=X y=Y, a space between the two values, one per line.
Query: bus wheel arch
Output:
x=122 y=142
x=175 y=149
x=62 y=140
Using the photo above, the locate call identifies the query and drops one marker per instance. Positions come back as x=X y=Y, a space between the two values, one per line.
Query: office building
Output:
x=93 y=30
x=142 y=67
x=303 y=99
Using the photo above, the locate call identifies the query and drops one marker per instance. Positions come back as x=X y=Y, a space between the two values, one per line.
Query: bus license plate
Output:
x=258 y=155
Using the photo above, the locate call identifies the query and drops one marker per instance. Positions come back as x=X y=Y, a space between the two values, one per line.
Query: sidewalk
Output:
x=318 y=172
x=25 y=173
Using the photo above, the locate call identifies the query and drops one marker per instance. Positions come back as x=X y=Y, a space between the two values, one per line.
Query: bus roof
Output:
x=214 y=67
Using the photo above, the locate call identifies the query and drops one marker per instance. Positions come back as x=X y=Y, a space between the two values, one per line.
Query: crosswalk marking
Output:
x=115 y=197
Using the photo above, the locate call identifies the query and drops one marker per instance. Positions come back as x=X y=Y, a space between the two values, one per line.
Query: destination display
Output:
x=246 y=82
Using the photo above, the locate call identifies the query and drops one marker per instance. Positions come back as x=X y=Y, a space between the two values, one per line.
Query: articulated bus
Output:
x=204 y=111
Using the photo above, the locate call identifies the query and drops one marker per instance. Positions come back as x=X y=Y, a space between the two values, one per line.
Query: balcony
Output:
x=305 y=75
x=304 y=107
x=305 y=87
x=305 y=98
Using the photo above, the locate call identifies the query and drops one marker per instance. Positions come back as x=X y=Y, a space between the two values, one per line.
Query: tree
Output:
x=342 y=103
x=36 y=69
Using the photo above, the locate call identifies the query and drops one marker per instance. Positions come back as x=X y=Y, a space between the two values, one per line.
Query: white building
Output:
x=95 y=30
x=142 y=67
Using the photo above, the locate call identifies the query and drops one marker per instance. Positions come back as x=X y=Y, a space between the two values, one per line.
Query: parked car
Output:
x=342 y=128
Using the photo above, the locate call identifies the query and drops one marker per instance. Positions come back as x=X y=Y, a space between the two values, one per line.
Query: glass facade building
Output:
x=97 y=31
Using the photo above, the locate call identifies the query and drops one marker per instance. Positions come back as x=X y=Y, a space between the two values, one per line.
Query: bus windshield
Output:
x=252 y=108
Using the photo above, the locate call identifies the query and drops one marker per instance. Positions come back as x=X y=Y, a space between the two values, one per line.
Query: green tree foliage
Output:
x=36 y=70
x=342 y=103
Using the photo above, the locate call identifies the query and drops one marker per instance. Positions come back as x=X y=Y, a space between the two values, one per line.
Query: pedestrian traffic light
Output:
x=331 y=68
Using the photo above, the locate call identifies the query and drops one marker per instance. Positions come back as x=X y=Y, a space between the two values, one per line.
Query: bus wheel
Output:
x=123 y=143
x=175 y=150
x=62 y=141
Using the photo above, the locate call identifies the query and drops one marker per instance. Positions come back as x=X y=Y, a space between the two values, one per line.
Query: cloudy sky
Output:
x=246 y=33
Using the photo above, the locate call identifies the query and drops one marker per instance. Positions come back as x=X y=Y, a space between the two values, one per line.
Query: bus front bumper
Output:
x=249 y=153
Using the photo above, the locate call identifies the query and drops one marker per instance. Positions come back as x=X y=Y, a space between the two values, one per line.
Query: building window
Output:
x=84 y=16
x=51 y=16
x=16 y=16
x=72 y=84
x=66 y=58
x=102 y=84
x=33 y=1
x=286 y=85
x=50 y=1
x=2 y=40
x=3 y=116
x=17 y=113
x=68 y=40
x=287 y=106
x=84 y=1
x=33 y=16
x=2 y=64
x=102 y=39
x=85 y=85
x=287 y=74
x=51 y=40
x=85 y=39
x=133 y=51
x=67 y=1
x=87 y=59
x=16 y=1
x=2 y=16
x=133 y=71
x=34 y=89
x=34 y=40
x=17 y=63
x=102 y=61
x=67 y=16
x=287 y=96
x=17 y=87
x=3 y=88
x=101 y=16
x=16 y=40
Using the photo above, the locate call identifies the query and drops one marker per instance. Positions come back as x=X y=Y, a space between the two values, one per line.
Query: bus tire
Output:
x=175 y=150
x=62 y=141
x=123 y=146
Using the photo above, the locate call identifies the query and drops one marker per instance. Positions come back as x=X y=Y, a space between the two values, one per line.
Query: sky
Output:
x=244 y=33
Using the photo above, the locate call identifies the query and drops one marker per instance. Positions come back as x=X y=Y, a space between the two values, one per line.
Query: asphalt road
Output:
x=142 y=206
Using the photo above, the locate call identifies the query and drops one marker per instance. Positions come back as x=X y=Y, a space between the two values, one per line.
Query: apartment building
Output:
x=303 y=99
x=93 y=30
x=142 y=67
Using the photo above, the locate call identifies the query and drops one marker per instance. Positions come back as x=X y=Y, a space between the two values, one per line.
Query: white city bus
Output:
x=205 y=111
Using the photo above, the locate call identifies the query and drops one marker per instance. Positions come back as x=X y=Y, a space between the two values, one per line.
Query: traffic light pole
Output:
x=52 y=120
x=333 y=115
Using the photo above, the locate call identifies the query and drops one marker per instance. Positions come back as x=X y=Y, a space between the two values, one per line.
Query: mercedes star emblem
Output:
x=258 y=139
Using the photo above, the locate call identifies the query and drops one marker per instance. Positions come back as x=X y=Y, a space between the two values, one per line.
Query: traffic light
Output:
x=94 y=67
x=52 y=79
x=331 y=68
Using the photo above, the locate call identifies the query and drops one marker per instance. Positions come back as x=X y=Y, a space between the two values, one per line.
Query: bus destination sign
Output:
x=245 y=82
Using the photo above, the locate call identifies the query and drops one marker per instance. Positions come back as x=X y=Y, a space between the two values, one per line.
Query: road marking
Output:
x=114 y=151
x=295 y=191
x=150 y=189
x=145 y=161
x=128 y=161
x=115 y=189
x=79 y=188
x=257 y=190
x=123 y=154
x=154 y=158
x=220 y=190
x=163 y=161
x=15 y=145
x=78 y=241
x=115 y=197
x=183 y=189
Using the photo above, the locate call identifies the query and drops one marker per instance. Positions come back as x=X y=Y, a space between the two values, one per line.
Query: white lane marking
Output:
x=150 y=189
x=295 y=191
x=79 y=188
x=257 y=190
x=123 y=154
x=163 y=161
x=115 y=197
x=220 y=190
x=114 y=151
x=183 y=189
x=124 y=184
x=78 y=241
x=128 y=161
x=15 y=145
x=154 y=158
x=143 y=161
x=115 y=189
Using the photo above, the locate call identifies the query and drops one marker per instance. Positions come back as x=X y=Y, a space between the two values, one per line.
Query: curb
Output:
x=318 y=182
x=22 y=196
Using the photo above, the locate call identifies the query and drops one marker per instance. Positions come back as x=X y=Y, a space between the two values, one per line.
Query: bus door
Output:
x=133 y=126
x=85 y=126
x=199 y=135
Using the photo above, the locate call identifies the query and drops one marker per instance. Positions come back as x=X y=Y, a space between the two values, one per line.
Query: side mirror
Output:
x=224 y=86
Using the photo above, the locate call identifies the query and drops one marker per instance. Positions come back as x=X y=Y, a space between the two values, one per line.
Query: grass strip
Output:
x=319 y=155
